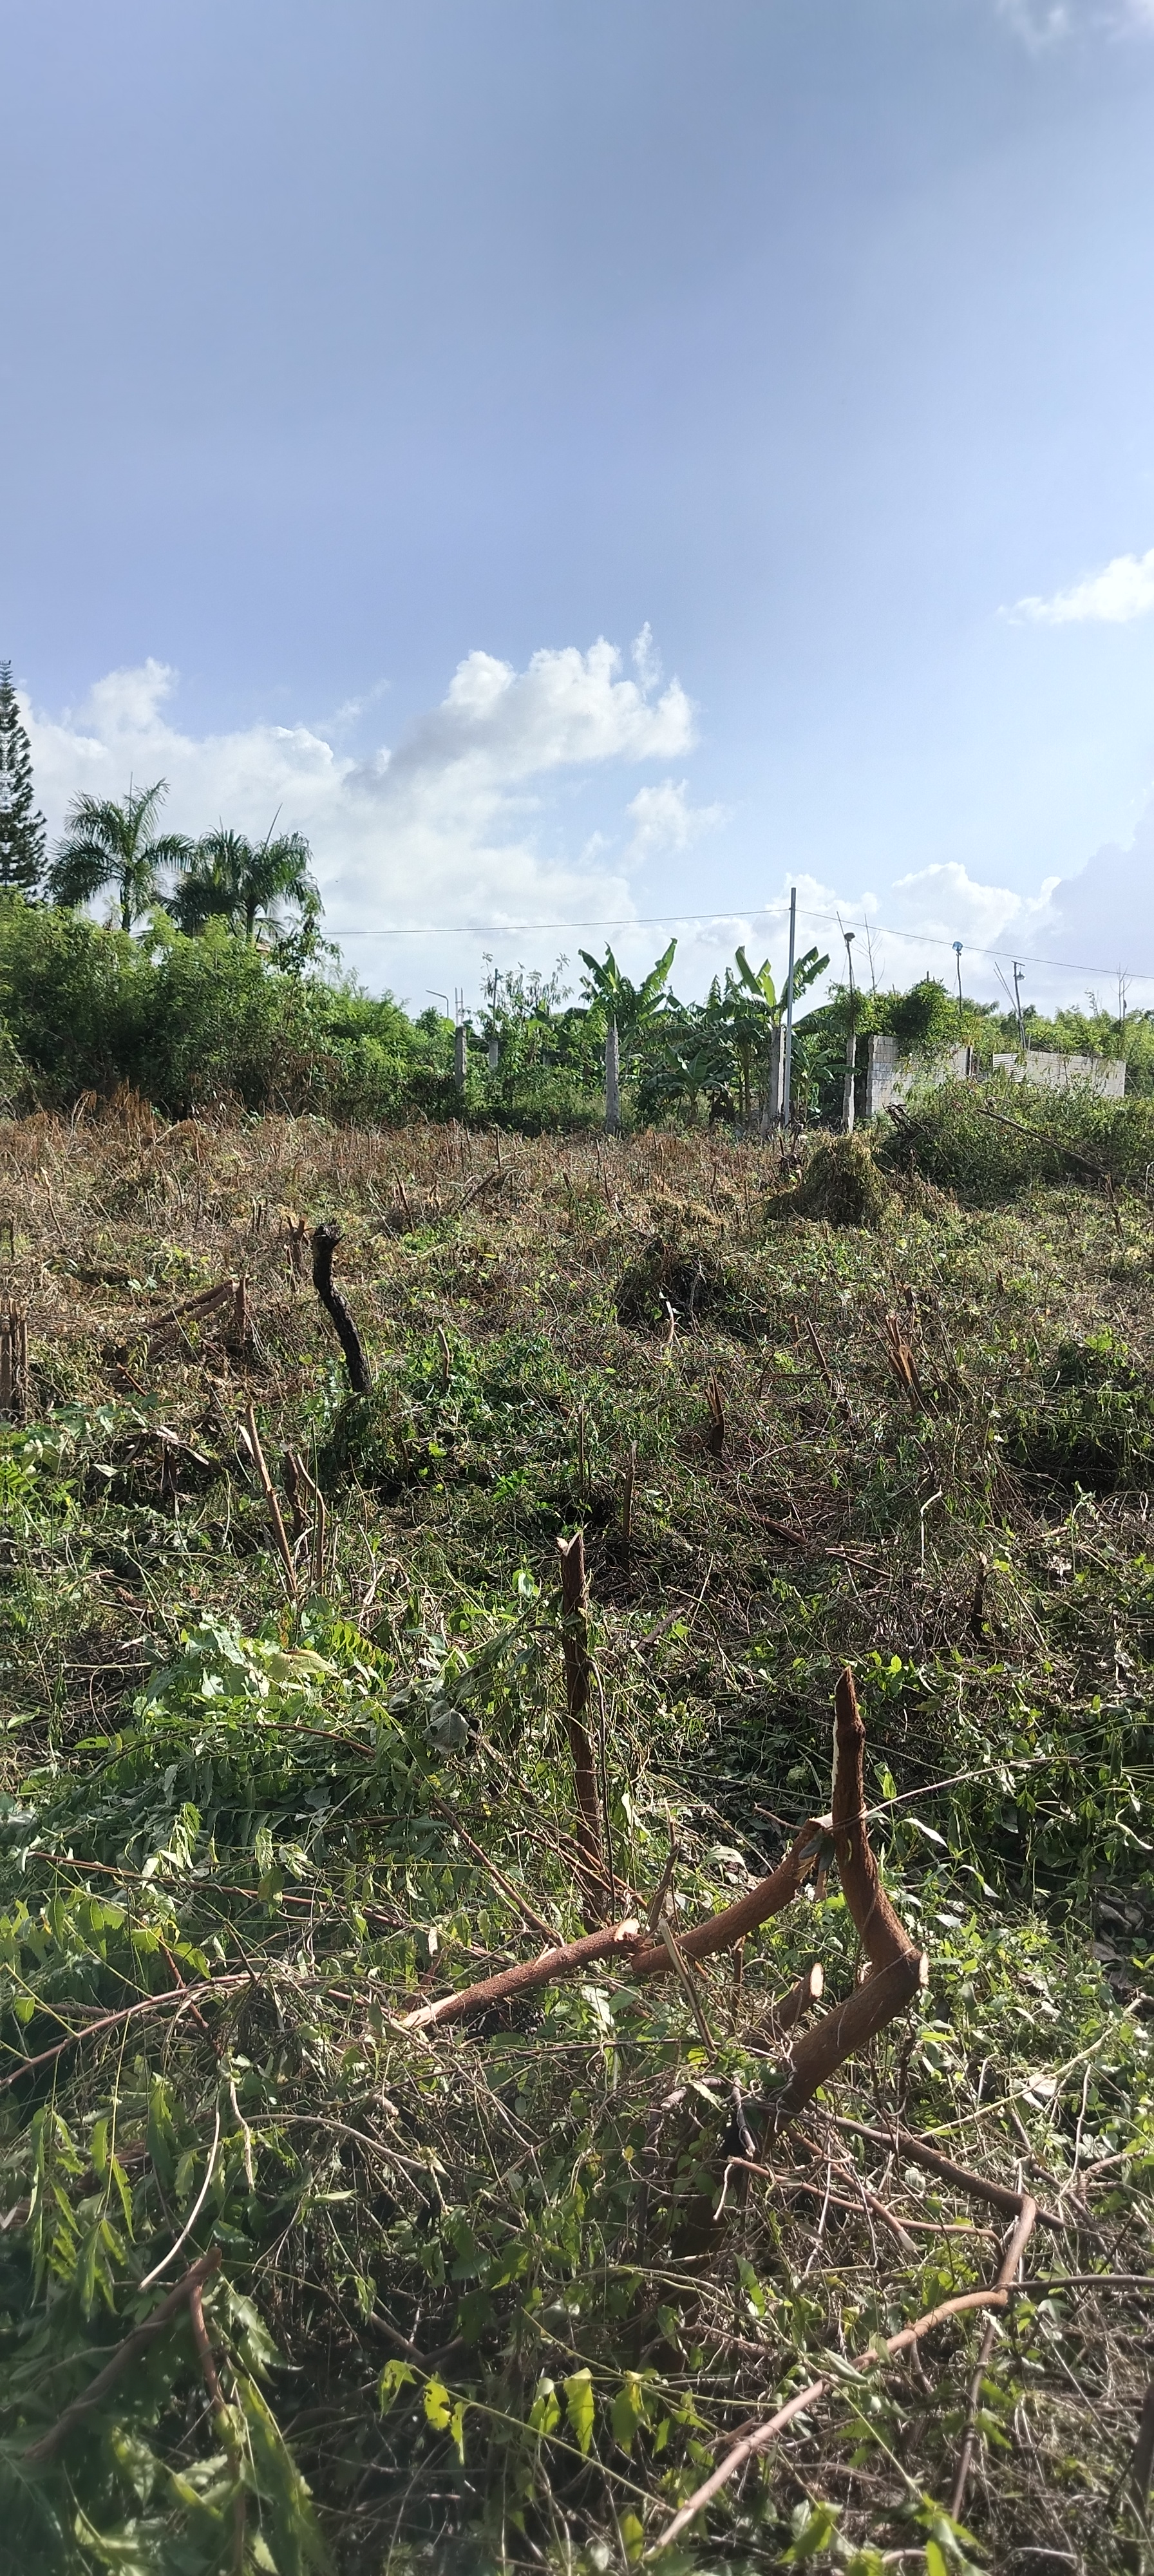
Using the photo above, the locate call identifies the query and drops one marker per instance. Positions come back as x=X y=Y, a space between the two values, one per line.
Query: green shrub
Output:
x=1095 y=1425
x=698 y=1286
x=990 y=1143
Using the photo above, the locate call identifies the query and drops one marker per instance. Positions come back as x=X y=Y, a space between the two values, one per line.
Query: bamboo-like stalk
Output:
x=268 y=1489
x=578 y=1675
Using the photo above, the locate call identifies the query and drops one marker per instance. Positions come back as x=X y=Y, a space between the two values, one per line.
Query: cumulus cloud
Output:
x=445 y=826
x=664 y=820
x=1123 y=590
x=457 y=825
x=1074 y=933
x=1103 y=918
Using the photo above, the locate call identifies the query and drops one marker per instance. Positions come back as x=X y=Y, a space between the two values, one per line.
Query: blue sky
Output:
x=373 y=375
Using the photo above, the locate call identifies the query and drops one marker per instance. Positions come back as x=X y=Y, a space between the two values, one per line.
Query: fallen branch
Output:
x=1040 y=1136
x=1010 y=2261
x=898 y=1970
x=193 y=1309
x=325 y=1240
x=494 y=1180
x=565 y=1962
x=118 y=2362
x=998 y=2195
x=763 y=2434
x=770 y=1896
x=116 y=2021
x=720 y=1932
x=884 y=1939
x=822 y=2191
x=844 y=2031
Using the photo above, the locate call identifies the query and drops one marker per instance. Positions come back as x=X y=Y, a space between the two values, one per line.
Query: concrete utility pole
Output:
x=787 y=1071
x=460 y=1044
x=612 y=1080
x=961 y=1004
x=1018 y=1005
x=847 y=1114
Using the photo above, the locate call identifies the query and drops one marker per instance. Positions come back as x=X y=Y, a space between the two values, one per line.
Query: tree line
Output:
x=212 y=982
x=264 y=890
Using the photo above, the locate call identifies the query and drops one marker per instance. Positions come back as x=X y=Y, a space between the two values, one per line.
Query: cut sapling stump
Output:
x=898 y=1969
x=268 y=1489
x=578 y=1674
x=325 y=1240
x=13 y=1363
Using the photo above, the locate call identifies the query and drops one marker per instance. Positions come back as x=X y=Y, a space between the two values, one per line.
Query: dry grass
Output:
x=796 y=1500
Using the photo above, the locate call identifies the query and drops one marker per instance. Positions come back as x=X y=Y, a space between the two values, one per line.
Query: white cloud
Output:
x=664 y=820
x=445 y=826
x=1042 y=23
x=456 y=825
x=645 y=657
x=1112 y=597
x=944 y=903
x=1090 y=925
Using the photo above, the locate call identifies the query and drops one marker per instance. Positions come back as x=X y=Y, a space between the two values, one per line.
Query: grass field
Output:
x=499 y=2292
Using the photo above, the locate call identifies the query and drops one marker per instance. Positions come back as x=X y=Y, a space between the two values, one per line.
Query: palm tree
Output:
x=106 y=844
x=225 y=878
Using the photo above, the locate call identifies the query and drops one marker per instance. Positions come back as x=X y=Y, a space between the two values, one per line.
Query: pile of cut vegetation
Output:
x=841 y=1185
x=471 y=2097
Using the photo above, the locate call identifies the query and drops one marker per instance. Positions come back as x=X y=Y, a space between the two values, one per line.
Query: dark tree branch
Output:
x=325 y=1241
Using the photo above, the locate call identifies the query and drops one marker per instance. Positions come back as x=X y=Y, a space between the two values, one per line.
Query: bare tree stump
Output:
x=325 y=1240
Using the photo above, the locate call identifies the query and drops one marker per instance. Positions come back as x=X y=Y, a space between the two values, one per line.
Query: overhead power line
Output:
x=758 y=912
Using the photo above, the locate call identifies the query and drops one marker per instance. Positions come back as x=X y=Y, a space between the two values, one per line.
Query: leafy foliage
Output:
x=106 y=844
x=224 y=877
x=21 y=825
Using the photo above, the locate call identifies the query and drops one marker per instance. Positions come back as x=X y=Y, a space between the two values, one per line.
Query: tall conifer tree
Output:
x=21 y=827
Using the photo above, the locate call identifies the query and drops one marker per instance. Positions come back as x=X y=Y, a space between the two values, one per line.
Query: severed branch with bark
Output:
x=897 y=1968
x=324 y=1243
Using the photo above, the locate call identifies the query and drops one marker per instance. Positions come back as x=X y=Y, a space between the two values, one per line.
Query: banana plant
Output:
x=632 y=1007
x=629 y=1012
x=752 y=1010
